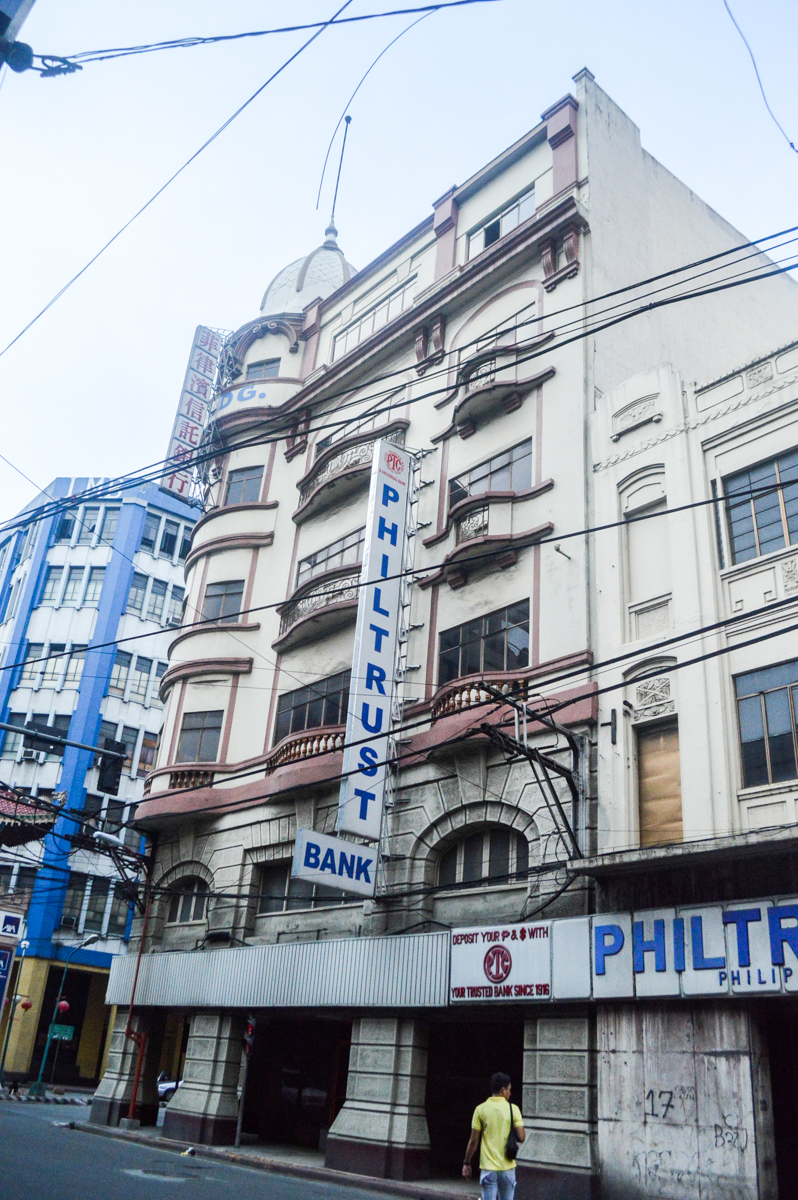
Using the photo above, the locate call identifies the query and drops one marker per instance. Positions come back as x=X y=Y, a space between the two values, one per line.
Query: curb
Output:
x=387 y=1187
x=45 y=1100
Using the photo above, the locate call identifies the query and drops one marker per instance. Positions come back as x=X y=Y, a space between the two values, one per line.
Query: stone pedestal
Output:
x=382 y=1128
x=205 y=1107
x=112 y=1099
x=558 y=1160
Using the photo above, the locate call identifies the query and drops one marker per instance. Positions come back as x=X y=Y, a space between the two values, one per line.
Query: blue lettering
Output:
x=379 y=634
x=700 y=963
x=605 y=949
x=787 y=973
x=389 y=495
x=736 y=978
x=384 y=566
x=779 y=935
x=377 y=602
x=367 y=763
x=246 y=394
x=364 y=718
x=328 y=862
x=641 y=947
x=375 y=676
x=312 y=853
x=678 y=944
x=346 y=865
x=383 y=531
x=363 y=865
x=225 y=400
x=722 y=977
x=741 y=917
x=759 y=977
x=364 y=802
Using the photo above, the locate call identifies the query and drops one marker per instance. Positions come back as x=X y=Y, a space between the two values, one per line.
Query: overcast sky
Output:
x=92 y=388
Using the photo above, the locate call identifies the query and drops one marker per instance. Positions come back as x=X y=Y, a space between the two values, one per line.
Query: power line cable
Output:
x=774 y=118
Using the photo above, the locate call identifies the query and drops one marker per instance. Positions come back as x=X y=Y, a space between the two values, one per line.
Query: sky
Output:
x=93 y=387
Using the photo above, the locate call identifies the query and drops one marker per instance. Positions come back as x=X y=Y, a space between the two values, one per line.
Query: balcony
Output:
x=343 y=469
x=186 y=779
x=322 y=607
x=462 y=694
x=308 y=744
x=472 y=524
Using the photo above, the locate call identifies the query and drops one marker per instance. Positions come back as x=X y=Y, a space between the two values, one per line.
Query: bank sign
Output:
x=745 y=948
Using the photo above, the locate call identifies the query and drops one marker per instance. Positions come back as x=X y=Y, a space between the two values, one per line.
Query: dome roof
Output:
x=316 y=276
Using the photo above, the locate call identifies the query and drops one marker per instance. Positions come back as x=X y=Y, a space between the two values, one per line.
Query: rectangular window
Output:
x=74 y=585
x=12 y=741
x=322 y=703
x=199 y=737
x=767 y=706
x=107 y=734
x=157 y=598
x=135 y=598
x=185 y=543
x=129 y=736
x=223 y=601
x=117 y=921
x=52 y=585
x=344 y=552
x=267 y=369
x=98 y=901
x=92 y=807
x=160 y=671
x=73 y=901
x=30 y=667
x=169 y=539
x=77 y=657
x=510 y=471
x=94 y=586
x=59 y=727
x=110 y=522
x=278 y=892
x=12 y=604
x=149 y=748
x=119 y=673
x=66 y=527
x=386 y=311
x=659 y=784
x=114 y=815
x=141 y=679
x=176 y=605
x=518 y=212
x=496 y=642
x=87 y=525
x=761 y=520
x=54 y=664
x=243 y=485
x=149 y=536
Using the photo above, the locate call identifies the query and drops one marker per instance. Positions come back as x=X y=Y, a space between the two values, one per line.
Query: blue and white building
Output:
x=70 y=584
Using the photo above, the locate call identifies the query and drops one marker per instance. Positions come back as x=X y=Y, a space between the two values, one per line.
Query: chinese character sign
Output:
x=192 y=412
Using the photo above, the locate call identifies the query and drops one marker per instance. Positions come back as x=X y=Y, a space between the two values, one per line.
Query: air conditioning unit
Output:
x=30 y=755
x=69 y=922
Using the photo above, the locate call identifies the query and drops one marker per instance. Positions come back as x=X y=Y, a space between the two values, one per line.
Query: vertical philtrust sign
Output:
x=192 y=411
x=376 y=636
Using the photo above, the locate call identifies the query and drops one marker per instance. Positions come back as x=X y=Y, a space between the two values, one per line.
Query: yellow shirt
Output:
x=492 y=1119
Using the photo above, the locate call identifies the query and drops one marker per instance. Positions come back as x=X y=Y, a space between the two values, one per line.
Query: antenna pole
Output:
x=348 y=120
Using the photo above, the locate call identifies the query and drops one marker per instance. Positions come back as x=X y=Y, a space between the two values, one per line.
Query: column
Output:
x=205 y=1107
x=557 y=1160
x=112 y=1099
x=382 y=1128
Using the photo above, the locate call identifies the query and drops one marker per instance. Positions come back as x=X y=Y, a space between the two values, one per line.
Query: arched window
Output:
x=188 y=899
x=488 y=857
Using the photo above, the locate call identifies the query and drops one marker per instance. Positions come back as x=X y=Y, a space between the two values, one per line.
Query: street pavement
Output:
x=42 y=1159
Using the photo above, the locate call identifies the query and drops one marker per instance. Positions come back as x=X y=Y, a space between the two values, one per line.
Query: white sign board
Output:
x=505 y=962
x=369 y=716
x=335 y=863
x=192 y=411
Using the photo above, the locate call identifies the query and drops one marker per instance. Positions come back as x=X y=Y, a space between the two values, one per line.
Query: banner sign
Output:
x=192 y=411
x=335 y=863
x=10 y=924
x=740 y=949
x=376 y=635
x=6 y=961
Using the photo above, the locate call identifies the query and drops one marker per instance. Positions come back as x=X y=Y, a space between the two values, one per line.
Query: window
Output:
x=199 y=737
x=510 y=471
x=73 y=587
x=160 y=671
x=169 y=539
x=518 y=211
x=278 y=892
x=129 y=737
x=135 y=598
x=149 y=749
x=98 y=902
x=31 y=668
x=107 y=734
x=95 y=586
x=65 y=529
x=12 y=741
x=188 y=900
x=114 y=816
x=12 y=604
x=767 y=704
x=185 y=543
x=77 y=657
x=267 y=369
x=324 y=703
x=26 y=879
x=659 y=786
x=92 y=807
x=497 y=642
x=87 y=525
x=59 y=727
x=157 y=598
x=120 y=910
x=110 y=522
x=54 y=664
x=119 y=673
x=491 y=856
x=27 y=545
x=223 y=601
x=379 y=316
x=52 y=584
x=243 y=485
x=73 y=901
x=149 y=536
x=346 y=550
x=760 y=524
x=141 y=679
x=176 y=605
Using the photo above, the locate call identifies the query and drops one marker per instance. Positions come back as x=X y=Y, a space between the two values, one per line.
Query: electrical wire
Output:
x=773 y=116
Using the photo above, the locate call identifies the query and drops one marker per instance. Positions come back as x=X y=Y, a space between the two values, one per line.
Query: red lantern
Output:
x=26 y=1004
x=63 y=1006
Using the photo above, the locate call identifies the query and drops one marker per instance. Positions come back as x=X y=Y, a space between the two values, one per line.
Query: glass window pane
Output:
x=752 y=741
x=780 y=735
x=110 y=521
x=521 y=856
x=472 y=858
x=499 y=856
x=449 y=666
x=447 y=871
x=273 y=881
x=517 y=648
x=87 y=524
x=493 y=658
x=300 y=893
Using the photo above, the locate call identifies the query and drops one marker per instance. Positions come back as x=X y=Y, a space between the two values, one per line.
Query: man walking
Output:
x=493 y=1122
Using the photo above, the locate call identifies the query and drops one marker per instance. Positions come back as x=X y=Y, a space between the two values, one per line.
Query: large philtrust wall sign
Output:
x=745 y=948
x=335 y=863
x=192 y=411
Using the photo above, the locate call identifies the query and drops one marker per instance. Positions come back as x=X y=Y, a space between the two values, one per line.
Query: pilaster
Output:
x=205 y=1107
x=111 y=1101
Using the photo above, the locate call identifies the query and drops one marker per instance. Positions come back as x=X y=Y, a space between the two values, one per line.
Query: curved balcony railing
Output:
x=333 y=591
x=461 y=695
x=307 y=744
x=188 y=779
x=348 y=461
x=473 y=524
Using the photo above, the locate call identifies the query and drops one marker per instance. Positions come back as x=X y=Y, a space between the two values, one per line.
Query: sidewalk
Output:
x=53 y=1097
x=293 y=1160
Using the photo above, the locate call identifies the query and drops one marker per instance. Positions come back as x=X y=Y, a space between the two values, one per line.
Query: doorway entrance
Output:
x=782 y=1042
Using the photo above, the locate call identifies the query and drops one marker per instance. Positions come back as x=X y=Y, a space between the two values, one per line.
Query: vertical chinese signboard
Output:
x=192 y=411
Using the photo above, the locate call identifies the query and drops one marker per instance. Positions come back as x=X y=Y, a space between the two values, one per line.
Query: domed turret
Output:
x=314 y=277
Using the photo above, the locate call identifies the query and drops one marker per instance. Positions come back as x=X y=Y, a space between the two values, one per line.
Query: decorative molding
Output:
x=339 y=591
x=231 y=360
x=240 y=627
x=639 y=412
x=760 y=374
x=430 y=343
x=220 y=510
x=454 y=568
x=653 y=698
x=307 y=744
x=231 y=541
x=789 y=574
x=203 y=666
x=353 y=455
x=463 y=506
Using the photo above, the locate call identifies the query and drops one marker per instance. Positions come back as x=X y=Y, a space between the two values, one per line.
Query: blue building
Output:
x=69 y=584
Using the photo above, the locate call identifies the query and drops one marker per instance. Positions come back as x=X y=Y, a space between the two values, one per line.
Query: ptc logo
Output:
x=498 y=964
x=394 y=462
